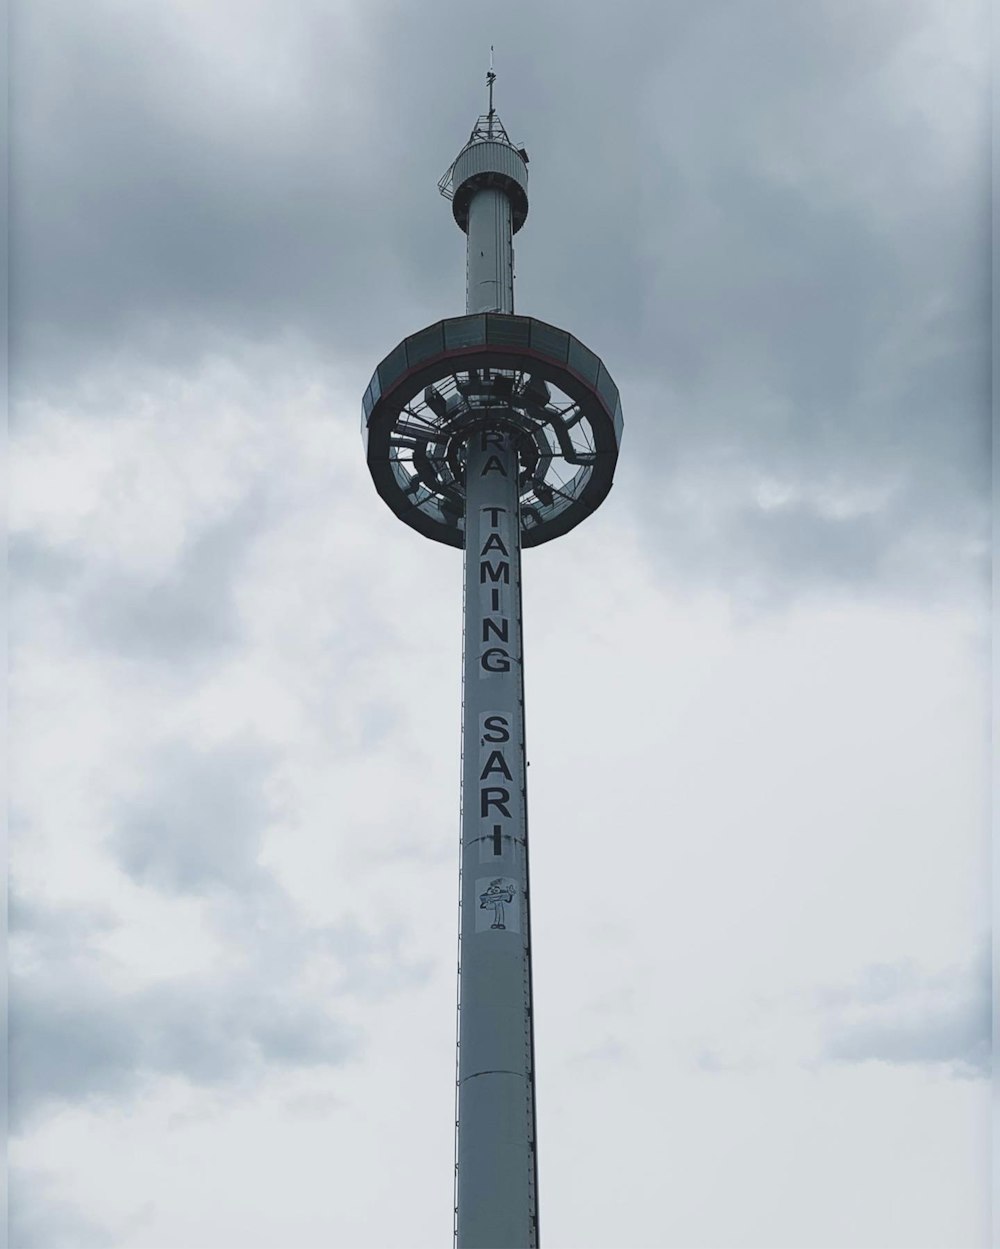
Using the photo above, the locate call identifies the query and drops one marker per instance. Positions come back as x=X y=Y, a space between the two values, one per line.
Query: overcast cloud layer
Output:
x=772 y=218
x=757 y=725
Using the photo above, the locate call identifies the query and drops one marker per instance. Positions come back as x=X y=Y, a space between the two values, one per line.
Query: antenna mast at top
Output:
x=488 y=129
x=490 y=80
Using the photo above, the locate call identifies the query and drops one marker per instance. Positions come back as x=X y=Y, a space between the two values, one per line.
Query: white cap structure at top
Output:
x=487 y=184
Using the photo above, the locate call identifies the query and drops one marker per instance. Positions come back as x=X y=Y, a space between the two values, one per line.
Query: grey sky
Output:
x=773 y=221
x=754 y=677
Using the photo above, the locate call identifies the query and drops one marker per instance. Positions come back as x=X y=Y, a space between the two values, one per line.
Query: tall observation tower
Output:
x=492 y=432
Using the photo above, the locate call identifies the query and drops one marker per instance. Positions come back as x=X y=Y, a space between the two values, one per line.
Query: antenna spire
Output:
x=490 y=80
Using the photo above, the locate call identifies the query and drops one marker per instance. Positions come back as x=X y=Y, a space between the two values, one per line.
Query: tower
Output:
x=492 y=432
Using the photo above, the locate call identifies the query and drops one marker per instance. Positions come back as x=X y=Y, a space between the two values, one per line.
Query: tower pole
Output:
x=489 y=253
x=495 y=1148
x=496 y=1185
x=489 y=432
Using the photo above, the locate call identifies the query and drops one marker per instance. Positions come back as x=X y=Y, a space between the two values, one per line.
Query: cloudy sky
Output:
x=755 y=679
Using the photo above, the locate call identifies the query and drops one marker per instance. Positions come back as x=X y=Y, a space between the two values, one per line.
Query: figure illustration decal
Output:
x=499 y=904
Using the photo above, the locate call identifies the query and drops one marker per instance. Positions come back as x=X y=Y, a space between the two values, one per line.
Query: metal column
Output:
x=489 y=254
x=496 y=1187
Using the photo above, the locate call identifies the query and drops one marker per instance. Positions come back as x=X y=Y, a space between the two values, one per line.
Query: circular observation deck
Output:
x=497 y=372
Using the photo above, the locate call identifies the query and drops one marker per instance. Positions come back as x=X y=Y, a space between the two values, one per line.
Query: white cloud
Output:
x=755 y=707
x=729 y=808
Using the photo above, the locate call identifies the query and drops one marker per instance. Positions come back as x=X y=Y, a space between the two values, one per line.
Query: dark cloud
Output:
x=32 y=563
x=54 y=932
x=83 y=1041
x=770 y=222
x=41 y=1218
x=766 y=554
x=197 y=824
x=187 y=615
x=76 y=1036
x=178 y=617
x=158 y=213
x=194 y=828
x=897 y=1015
